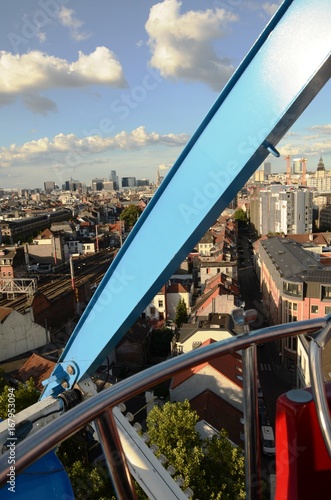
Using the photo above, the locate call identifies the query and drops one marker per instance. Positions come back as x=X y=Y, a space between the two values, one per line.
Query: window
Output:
x=326 y=292
x=292 y=288
x=314 y=309
x=160 y=303
x=152 y=311
x=291 y=344
x=327 y=310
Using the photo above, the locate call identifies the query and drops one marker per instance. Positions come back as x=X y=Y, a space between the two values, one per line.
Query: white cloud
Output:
x=68 y=20
x=181 y=44
x=304 y=149
x=270 y=7
x=322 y=129
x=61 y=146
x=27 y=74
x=304 y=145
x=41 y=35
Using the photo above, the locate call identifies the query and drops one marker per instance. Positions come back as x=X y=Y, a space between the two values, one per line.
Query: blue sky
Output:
x=87 y=87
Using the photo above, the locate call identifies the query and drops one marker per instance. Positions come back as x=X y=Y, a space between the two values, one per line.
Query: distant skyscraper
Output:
x=97 y=184
x=266 y=167
x=49 y=186
x=128 y=181
x=113 y=177
x=108 y=185
x=297 y=166
x=71 y=185
x=142 y=182
x=159 y=178
x=285 y=210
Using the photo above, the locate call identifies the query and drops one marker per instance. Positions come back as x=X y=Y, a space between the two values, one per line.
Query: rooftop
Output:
x=291 y=259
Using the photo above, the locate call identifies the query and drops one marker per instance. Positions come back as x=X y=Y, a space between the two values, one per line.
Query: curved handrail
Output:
x=318 y=386
x=47 y=438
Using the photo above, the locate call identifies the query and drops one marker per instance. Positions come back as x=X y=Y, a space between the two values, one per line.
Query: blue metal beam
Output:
x=285 y=69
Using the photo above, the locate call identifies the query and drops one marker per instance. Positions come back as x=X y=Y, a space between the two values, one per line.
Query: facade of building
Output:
x=114 y=179
x=49 y=186
x=19 y=333
x=72 y=185
x=206 y=244
x=294 y=212
x=128 y=182
x=295 y=286
x=48 y=247
x=164 y=305
x=97 y=184
x=20 y=228
x=214 y=390
x=77 y=247
x=285 y=209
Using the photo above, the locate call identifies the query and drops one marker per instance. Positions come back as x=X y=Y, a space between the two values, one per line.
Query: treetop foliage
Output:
x=213 y=468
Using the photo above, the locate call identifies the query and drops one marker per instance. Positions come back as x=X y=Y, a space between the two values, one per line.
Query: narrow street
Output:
x=274 y=382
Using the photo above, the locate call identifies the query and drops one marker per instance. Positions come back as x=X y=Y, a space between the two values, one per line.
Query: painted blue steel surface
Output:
x=43 y=479
x=280 y=76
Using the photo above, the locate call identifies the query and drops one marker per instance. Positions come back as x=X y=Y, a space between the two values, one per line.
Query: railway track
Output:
x=90 y=268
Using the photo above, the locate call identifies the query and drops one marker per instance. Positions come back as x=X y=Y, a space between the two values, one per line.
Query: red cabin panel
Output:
x=303 y=465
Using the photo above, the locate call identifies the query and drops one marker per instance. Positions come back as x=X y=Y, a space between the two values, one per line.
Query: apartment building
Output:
x=295 y=286
x=283 y=209
x=21 y=228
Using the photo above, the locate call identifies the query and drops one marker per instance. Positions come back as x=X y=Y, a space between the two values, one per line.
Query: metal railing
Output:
x=99 y=407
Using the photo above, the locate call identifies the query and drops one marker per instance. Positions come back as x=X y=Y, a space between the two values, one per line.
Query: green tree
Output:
x=172 y=428
x=90 y=481
x=181 y=313
x=241 y=217
x=87 y=480
x=25 y=395
x=224 y=465
x=130 y=215
x=213 y=468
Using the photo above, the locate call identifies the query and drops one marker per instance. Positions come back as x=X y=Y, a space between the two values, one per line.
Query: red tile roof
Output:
x=4 y=312
x=317 y=238
x=225 y=365
x=37 y=367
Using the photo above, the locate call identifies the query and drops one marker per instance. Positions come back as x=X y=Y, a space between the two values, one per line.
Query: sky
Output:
x=87 y=87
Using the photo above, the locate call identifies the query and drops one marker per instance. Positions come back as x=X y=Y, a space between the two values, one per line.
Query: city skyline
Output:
x=88 y=88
